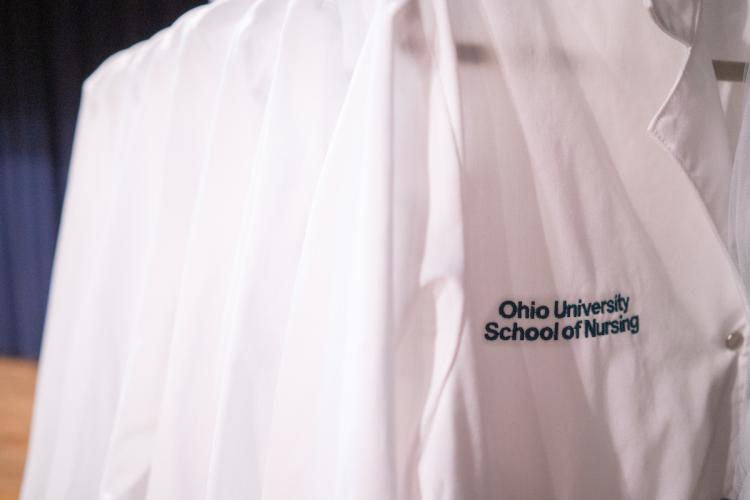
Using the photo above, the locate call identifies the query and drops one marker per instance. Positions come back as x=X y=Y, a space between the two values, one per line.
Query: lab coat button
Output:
x=734 y=340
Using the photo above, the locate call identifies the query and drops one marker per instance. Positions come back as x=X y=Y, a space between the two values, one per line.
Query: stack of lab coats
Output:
x=289 y=224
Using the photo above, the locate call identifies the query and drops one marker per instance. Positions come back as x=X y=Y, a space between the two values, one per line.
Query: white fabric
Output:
x=289 y=223
x=728 y=39
x=740 y=232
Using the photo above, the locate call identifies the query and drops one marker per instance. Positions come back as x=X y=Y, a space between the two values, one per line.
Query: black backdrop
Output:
x=47 y=49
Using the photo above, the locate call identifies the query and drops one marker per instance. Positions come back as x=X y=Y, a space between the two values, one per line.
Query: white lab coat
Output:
x=291 y=225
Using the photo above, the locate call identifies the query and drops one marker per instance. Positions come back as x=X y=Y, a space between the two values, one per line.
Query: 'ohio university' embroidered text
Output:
x=597 y=319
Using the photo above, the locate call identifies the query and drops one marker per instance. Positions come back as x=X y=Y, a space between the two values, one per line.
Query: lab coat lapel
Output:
x=699 y=145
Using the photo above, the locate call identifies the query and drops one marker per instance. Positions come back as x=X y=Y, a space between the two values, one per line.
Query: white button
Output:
x=734 y=340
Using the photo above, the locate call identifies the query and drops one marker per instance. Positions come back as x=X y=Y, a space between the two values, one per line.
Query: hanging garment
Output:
x=96 y=282
x=740 y=248
x=398 y=249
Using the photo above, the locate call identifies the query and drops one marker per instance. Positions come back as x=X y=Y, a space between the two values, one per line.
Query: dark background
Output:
x=47 y=49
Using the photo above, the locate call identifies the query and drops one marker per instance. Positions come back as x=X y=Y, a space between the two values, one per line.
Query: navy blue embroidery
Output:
x=592 y=319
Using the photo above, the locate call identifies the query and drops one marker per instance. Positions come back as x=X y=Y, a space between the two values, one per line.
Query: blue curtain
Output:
x=47 y=49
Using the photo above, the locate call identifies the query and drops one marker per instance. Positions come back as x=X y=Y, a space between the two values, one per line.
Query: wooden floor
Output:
x=17 y=378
